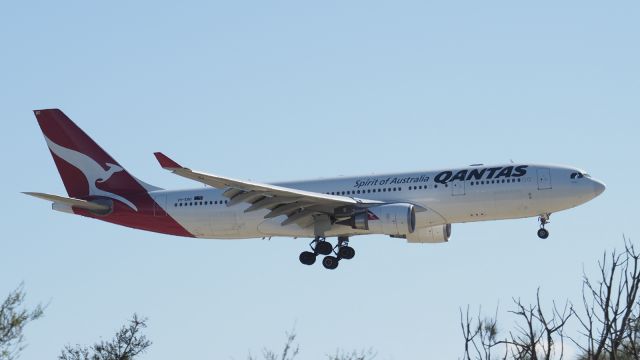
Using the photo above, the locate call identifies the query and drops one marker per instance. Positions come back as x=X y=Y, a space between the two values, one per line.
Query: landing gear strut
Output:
x=544 y=220
x=322 y=247
x=344 y=250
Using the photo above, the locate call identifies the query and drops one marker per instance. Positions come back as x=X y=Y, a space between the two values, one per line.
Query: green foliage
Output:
x=13 y=319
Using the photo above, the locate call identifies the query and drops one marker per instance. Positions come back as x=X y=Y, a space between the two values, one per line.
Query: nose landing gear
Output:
x=322 y=247
x=544 y=220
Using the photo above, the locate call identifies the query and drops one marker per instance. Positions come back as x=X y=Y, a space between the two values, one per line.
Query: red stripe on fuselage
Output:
x=143 y=219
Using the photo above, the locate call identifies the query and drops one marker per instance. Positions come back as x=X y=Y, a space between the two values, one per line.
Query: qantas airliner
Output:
x=417 y=206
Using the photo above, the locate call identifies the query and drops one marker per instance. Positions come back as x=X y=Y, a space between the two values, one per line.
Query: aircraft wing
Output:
x=300 y=207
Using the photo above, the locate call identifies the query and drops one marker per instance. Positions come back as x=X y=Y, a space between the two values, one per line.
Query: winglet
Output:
x=166 y=162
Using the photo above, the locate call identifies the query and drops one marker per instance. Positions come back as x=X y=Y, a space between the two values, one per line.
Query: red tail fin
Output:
x=86 y=169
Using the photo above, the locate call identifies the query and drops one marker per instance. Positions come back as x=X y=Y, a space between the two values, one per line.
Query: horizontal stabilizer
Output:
x=78 y=203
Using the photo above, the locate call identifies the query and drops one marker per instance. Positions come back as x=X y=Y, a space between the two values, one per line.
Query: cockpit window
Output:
x=577 y=175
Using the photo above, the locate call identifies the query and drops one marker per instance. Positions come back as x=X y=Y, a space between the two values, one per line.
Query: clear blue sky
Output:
x=285 y=90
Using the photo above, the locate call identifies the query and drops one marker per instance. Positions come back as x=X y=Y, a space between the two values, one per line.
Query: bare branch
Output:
x=127 y=344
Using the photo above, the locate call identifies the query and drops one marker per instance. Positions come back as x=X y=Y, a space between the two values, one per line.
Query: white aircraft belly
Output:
x=466 y=204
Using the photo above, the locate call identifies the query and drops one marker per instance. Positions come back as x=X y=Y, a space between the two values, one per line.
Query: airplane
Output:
x=417 y=206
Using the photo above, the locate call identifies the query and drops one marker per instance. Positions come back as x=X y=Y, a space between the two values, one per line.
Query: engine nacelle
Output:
x=432 y=234
x=388 y=219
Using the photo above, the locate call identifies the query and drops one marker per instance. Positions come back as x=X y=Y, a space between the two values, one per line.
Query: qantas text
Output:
x=448 y=176
x=481 y=174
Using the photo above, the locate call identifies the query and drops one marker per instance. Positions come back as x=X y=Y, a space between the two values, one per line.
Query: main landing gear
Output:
x=321 y=246
x=544 y=220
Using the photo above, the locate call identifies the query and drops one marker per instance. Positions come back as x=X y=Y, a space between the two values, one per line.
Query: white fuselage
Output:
x=474 y=193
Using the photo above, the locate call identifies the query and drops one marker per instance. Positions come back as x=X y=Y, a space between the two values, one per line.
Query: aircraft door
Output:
x=458 y=187
x=159 y=202
x=544 y=179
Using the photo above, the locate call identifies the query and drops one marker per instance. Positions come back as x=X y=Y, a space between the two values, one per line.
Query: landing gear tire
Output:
x=323 y=247
x=307 y=258
x=543 y=233
x=346 y=252
x=544 y=220
x=330 y=262
x=319 y=246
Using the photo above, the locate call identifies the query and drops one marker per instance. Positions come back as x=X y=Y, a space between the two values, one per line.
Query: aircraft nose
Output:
x=598 y=187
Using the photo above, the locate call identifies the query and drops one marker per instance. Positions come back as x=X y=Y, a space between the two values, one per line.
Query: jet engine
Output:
x=432 y=234
x=388 y=219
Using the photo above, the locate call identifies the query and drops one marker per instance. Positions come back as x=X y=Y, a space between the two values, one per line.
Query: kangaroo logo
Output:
x=91 y=170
